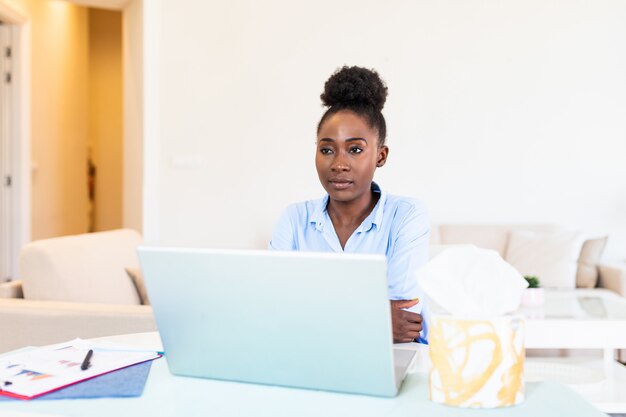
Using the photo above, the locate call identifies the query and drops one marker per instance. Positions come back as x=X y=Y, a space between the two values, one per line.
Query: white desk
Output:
x=167 y=395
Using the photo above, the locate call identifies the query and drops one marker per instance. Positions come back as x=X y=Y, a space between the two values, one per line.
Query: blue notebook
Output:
x=125 y=382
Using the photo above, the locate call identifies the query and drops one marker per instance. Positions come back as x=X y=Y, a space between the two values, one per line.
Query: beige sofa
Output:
x=590 y=270
x=77 y=286
x=73 y=286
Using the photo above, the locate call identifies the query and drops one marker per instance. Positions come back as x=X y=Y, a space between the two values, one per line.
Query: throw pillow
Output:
x=552 y=257
x=137 y=277
x=587 y=274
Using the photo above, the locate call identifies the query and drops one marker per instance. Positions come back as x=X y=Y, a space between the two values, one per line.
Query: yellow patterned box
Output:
x=477 y=363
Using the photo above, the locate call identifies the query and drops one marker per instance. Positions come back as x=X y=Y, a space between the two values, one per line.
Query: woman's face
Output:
x=347 y=156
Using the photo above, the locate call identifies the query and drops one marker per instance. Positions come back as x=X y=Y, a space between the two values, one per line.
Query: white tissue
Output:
x=467 y=281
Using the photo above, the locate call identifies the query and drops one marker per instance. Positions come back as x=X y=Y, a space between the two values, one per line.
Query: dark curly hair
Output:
x=359 y=90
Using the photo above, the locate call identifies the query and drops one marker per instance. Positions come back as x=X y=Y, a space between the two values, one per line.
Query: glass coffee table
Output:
x=580 y=319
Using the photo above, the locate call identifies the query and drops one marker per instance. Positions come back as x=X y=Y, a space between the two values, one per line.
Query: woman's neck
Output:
x=351 y=214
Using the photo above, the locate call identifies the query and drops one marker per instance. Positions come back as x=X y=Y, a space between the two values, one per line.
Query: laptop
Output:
x=297 y=319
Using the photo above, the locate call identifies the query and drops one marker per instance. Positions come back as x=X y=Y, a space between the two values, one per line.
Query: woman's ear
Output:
x=383 y=152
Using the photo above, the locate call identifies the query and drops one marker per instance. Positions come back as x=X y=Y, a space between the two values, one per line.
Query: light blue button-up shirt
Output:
x=397 y=227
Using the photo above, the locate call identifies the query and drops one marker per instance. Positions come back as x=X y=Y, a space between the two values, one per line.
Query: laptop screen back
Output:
x=296 y=319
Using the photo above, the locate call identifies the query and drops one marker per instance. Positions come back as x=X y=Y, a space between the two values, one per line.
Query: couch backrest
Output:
x=82 y=268
x=488 y=236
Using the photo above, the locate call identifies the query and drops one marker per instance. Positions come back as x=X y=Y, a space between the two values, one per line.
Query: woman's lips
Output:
x=340 y=184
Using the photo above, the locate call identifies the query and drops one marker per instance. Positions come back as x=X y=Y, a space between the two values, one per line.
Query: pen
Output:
x=86 y=363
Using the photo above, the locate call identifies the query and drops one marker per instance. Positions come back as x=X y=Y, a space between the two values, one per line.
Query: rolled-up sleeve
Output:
x=410 y=252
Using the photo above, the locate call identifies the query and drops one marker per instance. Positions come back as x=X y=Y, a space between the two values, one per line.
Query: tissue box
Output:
x=477 y=363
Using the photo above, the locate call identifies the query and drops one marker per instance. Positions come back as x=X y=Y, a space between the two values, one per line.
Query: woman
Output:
x=356 y=215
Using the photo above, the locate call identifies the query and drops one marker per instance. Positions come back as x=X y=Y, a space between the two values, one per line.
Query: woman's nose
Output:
x=340 y=163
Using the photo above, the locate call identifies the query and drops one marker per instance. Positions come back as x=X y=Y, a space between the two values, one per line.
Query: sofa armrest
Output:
x=612 y=276
x=11 y=289
x=26 y=322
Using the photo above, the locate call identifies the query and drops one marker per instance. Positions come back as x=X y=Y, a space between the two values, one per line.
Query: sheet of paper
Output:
x=34 y=372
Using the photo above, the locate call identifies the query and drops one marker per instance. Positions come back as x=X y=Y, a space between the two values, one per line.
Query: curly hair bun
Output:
x=355 y=86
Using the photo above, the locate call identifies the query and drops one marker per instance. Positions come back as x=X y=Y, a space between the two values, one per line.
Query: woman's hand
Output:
x=406 y=325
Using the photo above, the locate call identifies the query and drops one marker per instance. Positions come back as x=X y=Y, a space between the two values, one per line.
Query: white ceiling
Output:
x=102 y=4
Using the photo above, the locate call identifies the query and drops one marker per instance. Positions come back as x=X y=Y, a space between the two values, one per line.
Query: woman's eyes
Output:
x=353 y=150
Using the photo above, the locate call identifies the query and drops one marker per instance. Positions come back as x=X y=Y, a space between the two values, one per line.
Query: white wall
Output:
x=499 y=111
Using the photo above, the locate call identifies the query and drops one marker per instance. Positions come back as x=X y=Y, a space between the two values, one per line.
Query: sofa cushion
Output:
x=587 y=274
x=487 y=236
x=85 y=268
x=552 y=257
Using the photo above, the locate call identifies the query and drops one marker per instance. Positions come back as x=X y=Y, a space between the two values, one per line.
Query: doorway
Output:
x=6 y=174
x=49 y=125
x=14 y=144
x=105 y=134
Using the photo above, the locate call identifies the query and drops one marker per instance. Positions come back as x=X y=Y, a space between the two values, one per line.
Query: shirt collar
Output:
x=319 y=214
x=376 y=216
